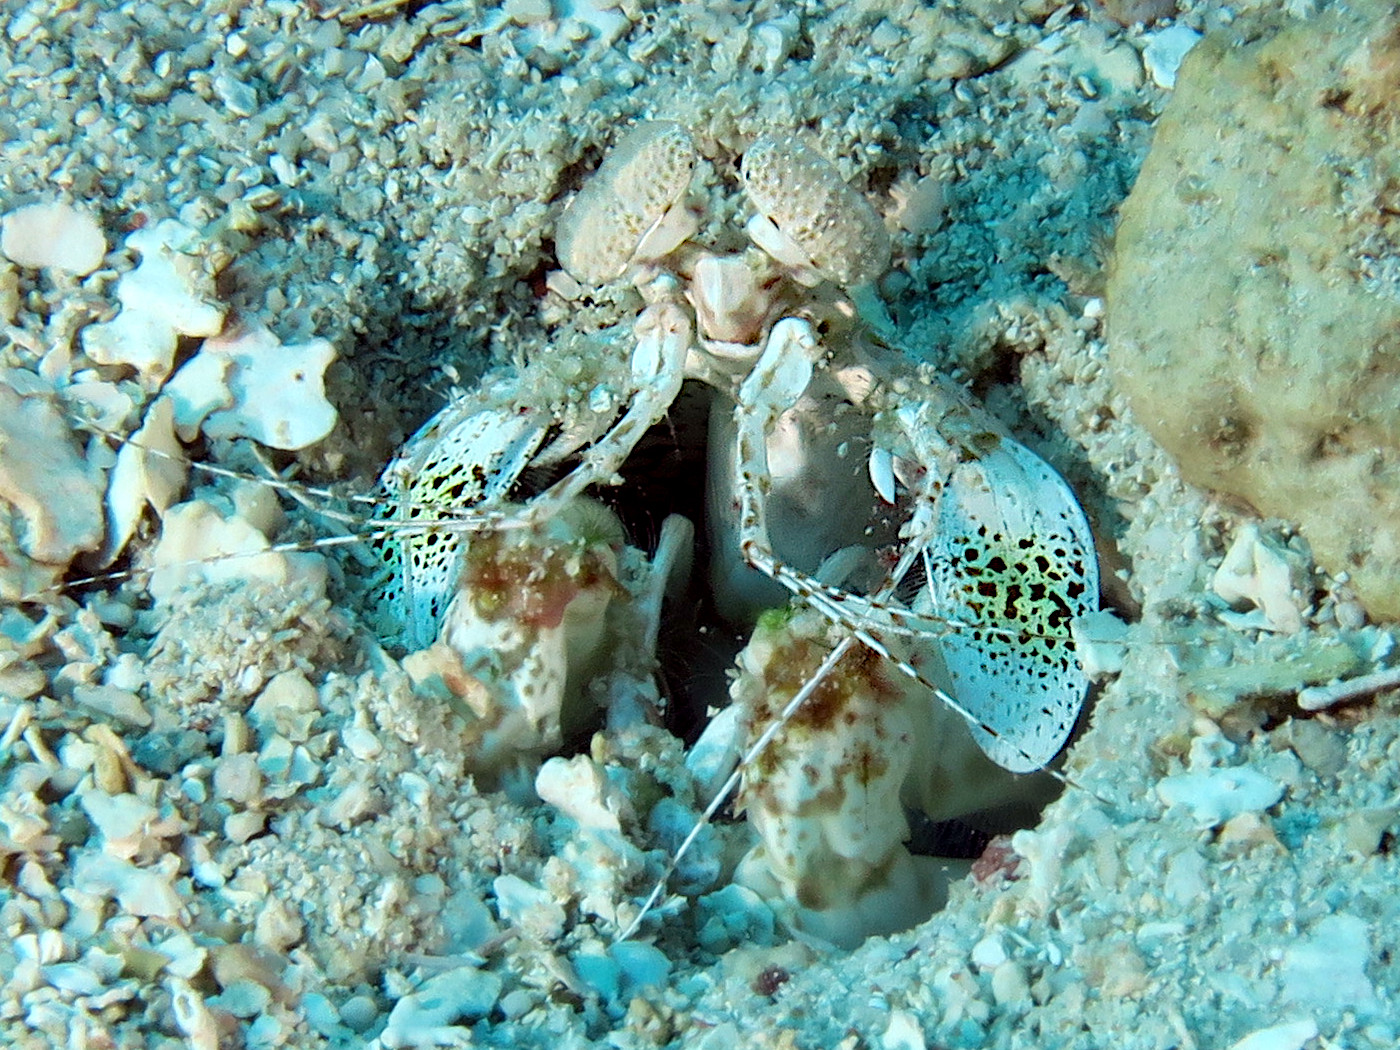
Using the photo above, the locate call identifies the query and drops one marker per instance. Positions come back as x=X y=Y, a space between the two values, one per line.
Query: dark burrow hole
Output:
x=667 y=474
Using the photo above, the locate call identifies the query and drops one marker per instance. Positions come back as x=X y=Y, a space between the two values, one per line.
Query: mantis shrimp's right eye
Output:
x=804 y=203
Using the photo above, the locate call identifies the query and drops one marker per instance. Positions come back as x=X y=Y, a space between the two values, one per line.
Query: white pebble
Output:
x=1326 y=969
x=1164 y=53
x=122 y=820
x=186 y=956
x=643 y=965
x=354 y=802
x=139 y=891
x=1216 y=796
x=53 y=235
x=989 y=953
x=73 y=977
x=360 y=742
x=244 y=998
x=23 y=24
x=1289 y=1036
x=429 y=1016
x=577 y=787
x=359 y=1012
x=120 y=704
x=238 y=779
x=903 y=1032
x=193 y=1017
x=531 y=908
x=1009 y=985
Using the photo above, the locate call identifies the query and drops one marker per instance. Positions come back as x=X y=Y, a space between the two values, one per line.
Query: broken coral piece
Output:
x=578 y=788
x=170 y=293
x=50 y=497
x=198 y=390
x=250 y=384
x=1215 y=796
x=51 y=235
x=138 y=891
x=438 y=1013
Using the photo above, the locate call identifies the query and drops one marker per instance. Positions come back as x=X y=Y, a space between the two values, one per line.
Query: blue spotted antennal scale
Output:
x=1012 y=562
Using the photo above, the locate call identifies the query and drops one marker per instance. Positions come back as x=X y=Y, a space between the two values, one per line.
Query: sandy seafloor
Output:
x=391 y=185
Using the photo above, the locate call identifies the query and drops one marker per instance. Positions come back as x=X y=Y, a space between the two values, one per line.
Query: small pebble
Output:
x=238 y=779
x=73 y=977
x=989 y=953
x=903 y=1032
x=119 y=704
x=243 y=825
x=1009 y=985
x=243 y=998
x=240 y=99
x=359 y=1012
x=643 y=965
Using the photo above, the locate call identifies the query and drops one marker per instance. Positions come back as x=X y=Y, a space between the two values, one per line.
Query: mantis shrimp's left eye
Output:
x=632 y=209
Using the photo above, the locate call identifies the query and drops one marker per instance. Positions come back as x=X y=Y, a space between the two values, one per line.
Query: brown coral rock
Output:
x=1254 y=299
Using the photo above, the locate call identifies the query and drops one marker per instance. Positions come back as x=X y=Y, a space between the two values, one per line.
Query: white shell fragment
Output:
x=801 y=197
x=579 y=789
x=198 y=544
x=193 y=1017
x=430 y=1016
x=169 y=294
x=1326 y=969
x=1215 y=796
x=53 y=235
x=111 y=702
x=151 y=470
x=530 y=907
x=903 y=1032
x=138 y=891
x=1101 y=642
x=631 y=208
x=252 y=385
